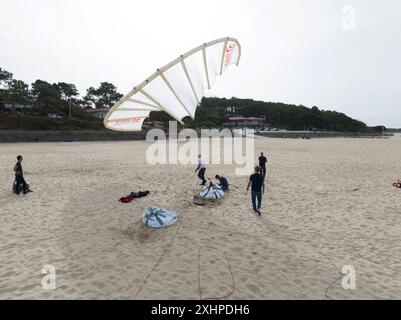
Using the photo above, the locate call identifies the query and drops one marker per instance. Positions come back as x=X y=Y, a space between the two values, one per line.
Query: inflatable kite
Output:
x=177 y=88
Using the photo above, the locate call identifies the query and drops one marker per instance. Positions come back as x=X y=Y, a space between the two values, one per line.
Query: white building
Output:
x=98 y=113
x=10 y=106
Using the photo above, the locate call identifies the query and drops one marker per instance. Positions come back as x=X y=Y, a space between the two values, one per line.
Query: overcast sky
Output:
x=335 y=54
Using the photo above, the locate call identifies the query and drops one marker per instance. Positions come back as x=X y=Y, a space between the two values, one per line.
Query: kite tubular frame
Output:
x=160 y=72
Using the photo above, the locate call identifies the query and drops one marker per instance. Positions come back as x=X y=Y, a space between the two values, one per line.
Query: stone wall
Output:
x=69 y=136
x=107 y=135
x=298 y=134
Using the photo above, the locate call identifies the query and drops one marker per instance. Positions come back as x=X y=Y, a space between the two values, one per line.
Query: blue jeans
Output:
x=256 y=195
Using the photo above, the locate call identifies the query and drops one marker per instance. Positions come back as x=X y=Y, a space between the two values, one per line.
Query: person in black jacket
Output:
x=19 y=178
x=223 y=183
x=262 y=164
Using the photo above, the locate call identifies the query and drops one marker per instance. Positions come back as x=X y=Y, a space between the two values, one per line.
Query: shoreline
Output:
x=318 y=134
x=19 y=136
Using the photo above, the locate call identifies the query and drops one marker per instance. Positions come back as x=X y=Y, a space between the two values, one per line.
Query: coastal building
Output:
x=98 y=113
x=155 y=124
x=244 y=122
x=16 y=106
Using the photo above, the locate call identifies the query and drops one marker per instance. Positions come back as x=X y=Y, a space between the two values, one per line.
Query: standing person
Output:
x=262 y=165
x=202 y=170
x=257 y=183
x=19 y=177
x=223 y=183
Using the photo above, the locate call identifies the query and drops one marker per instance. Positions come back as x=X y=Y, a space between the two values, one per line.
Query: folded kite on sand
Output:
x=158 y=218
x=212 y=193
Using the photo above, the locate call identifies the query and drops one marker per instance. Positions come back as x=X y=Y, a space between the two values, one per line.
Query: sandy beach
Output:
x=329 y=204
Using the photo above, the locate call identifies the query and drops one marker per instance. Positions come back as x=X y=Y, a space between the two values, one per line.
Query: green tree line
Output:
x=64 y=99
x=215 y=111
x=60 y=98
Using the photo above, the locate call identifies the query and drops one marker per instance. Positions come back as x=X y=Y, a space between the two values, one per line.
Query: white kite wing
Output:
x=177 y=88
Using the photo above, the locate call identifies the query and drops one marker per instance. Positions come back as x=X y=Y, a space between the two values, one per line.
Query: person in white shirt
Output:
x=202 y=170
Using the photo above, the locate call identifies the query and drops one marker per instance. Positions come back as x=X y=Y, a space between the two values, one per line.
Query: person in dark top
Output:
x=262 y=164
x=223 y=183
x=19 y=177
x=257 y=183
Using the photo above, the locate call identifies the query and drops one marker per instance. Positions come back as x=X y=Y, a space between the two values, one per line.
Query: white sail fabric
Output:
x=177 y=88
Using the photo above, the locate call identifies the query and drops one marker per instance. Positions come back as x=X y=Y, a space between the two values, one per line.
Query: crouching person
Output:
x=223 y=183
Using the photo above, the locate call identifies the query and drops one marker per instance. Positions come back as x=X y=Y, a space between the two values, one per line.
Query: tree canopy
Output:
x=44 y=97
x=105 y=96
x=279 y=115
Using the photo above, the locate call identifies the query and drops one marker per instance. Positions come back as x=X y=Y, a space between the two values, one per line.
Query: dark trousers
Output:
x=201 y=175
x=256 y=196
x=20 y=180
x=263 y=171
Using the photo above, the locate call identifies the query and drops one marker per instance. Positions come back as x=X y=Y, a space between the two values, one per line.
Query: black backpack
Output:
x=16 y=187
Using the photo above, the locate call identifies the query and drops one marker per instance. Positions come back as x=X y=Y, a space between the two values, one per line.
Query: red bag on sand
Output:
x=127 y=199
x=134 y=195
